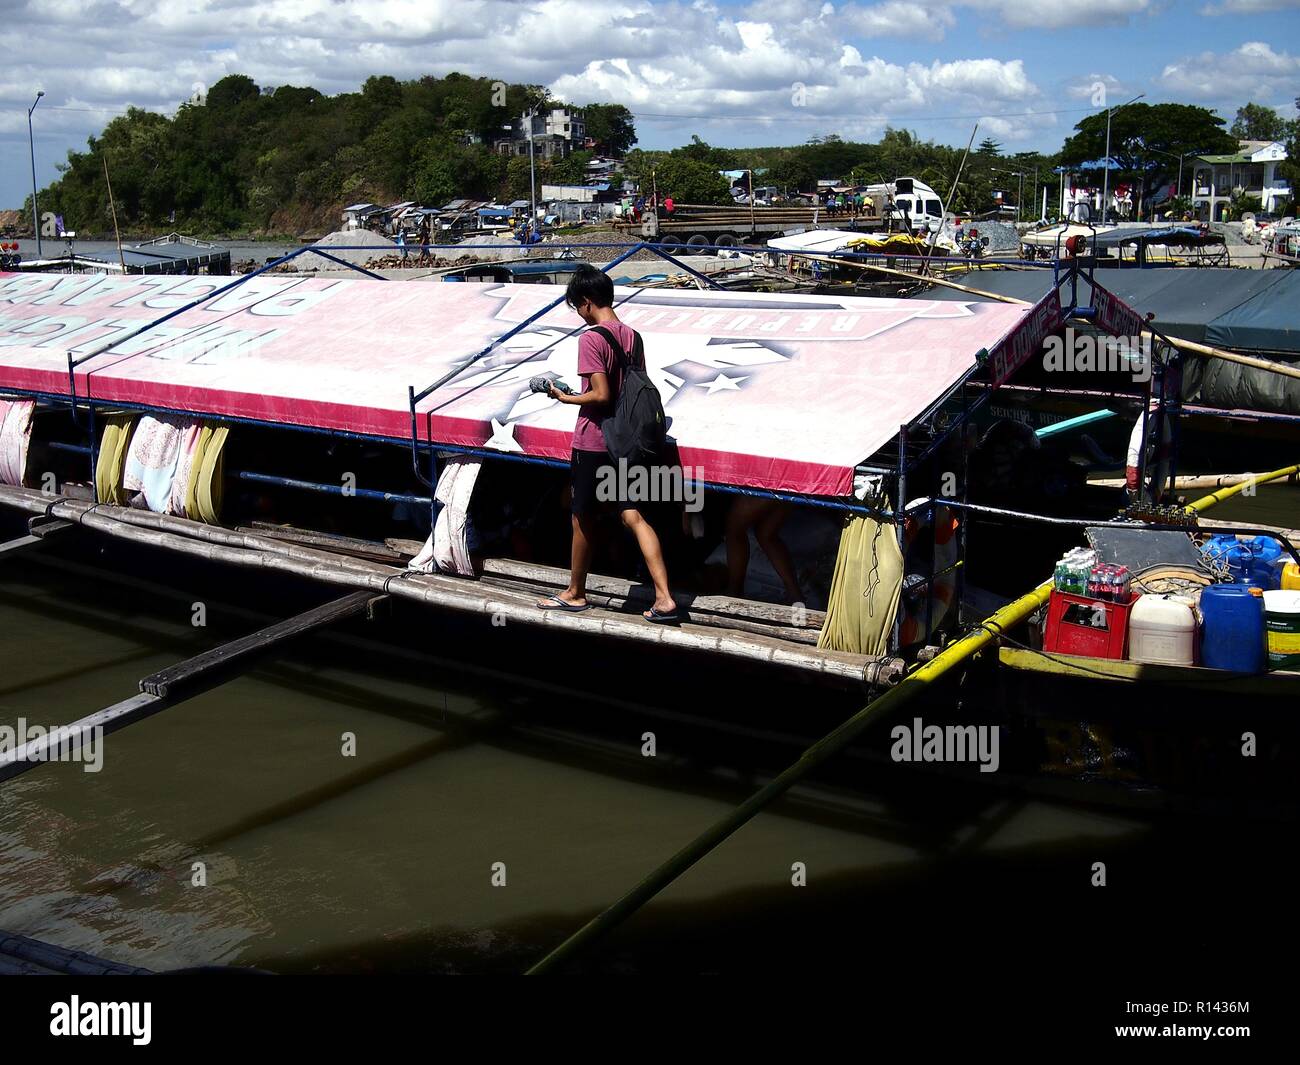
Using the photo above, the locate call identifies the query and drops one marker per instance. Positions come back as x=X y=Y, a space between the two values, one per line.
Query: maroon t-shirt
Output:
x=596 y=356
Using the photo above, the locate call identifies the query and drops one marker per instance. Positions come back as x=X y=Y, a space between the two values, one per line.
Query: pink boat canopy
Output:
x=783 y=392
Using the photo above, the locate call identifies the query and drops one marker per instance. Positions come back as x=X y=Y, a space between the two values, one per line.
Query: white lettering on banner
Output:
x=13 y=289
x=291 y=302
x=24 y=331
x=89 y=335
x=60 y=290
x=828 y=321
x=1114 y=316
x=1017 y=349
x=51 y=331
x=271 y=296
x=206 y=345
x=148 y=288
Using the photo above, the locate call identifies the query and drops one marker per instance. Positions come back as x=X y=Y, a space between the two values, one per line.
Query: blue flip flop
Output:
x=560 y=604
x=658 y=617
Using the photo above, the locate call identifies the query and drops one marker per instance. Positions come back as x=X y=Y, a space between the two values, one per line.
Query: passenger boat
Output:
x=312 y=423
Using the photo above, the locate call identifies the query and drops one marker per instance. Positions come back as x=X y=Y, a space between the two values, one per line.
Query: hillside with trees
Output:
x=287 y=159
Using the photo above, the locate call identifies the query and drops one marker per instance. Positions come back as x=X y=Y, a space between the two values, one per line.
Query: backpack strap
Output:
x=617 y=347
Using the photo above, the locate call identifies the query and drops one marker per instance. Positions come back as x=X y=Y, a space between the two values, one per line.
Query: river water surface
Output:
x=467 y=756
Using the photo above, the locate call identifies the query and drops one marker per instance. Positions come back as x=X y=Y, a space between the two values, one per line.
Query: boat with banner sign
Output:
x=387 y=440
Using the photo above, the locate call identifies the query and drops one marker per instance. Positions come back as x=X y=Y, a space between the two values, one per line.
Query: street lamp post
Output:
x=1105 y=181
x=1020 y=186
x=31 y=147
x=1178 y=189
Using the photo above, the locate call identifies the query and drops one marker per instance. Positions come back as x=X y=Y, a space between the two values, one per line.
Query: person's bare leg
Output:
x=744 y=511
x=768 y=534
x=648 y=540
x=584 y=536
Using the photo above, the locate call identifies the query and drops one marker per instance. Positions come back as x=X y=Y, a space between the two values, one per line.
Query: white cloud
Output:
x=1060 y=14
x=898 y=18
x=733 y=69
x=1252 y=71
x=1247 y=7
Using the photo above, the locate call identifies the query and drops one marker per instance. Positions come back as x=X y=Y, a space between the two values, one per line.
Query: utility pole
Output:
x=532 y=175
x=31 y=146
x=1105 y=181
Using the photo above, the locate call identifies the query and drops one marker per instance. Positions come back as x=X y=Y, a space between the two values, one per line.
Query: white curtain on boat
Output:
x=447 y=548
x=151 y=461
x=15 y=436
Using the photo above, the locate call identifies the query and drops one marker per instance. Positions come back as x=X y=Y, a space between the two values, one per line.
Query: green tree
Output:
x=517 y=180
x=571 y=170
x=700 y=152
x=1145 y=136
x=690 y=181
x=231 y=91
x=1255 y=122
x=793 y=173
x=433 y=179
x=611 y=126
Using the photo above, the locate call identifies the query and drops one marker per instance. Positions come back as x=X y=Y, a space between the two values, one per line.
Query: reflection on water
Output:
x=384 y=861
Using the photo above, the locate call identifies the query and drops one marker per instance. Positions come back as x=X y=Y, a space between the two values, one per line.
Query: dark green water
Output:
x=471 y=753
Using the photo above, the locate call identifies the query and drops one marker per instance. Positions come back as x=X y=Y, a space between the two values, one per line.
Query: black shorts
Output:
x=596 y=484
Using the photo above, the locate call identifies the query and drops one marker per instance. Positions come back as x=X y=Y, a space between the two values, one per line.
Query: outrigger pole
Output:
x=184 y=680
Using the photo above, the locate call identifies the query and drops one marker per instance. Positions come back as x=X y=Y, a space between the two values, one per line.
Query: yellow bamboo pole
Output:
x=1205 y=502
x=914 y=684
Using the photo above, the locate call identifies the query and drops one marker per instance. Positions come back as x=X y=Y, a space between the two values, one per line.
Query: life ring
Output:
x=1158 y=455
x=943 y=587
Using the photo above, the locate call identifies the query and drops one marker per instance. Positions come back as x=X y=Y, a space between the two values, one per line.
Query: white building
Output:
x=1253 y=170
x=555 y=134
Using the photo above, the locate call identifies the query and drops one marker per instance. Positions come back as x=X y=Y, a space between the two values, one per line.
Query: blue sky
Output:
x=736 y=73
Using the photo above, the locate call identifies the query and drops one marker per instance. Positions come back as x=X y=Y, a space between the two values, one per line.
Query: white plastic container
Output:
x=1162 y=631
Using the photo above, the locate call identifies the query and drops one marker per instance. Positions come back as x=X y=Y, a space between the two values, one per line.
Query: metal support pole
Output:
x=532 y=175
x=31 y=145
x=900 y=505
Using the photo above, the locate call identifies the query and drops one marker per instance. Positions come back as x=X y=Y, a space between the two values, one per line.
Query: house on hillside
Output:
x=555 y=134
x=1252 y=170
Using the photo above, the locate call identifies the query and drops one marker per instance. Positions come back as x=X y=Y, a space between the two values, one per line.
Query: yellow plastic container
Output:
x=1291 y=576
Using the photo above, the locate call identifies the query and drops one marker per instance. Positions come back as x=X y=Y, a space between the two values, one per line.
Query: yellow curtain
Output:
x=113 y=446
x=204 y=492
x=865 y=589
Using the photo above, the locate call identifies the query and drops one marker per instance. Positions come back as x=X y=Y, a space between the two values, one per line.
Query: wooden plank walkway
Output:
x=715 y=628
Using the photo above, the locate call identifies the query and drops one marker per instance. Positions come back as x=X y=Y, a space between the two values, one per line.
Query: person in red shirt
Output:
x=591 y=295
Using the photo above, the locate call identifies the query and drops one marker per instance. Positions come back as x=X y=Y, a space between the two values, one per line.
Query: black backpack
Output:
x=634 y=430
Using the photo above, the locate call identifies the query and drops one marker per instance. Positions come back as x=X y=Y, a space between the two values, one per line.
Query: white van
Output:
x=922 y=205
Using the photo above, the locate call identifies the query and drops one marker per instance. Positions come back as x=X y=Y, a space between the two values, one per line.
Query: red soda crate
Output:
x=1077 y=625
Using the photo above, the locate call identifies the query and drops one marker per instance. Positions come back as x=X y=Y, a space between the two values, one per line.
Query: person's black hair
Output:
x=588 y=283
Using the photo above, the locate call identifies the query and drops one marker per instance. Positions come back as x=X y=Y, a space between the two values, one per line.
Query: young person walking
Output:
x=602 y=369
